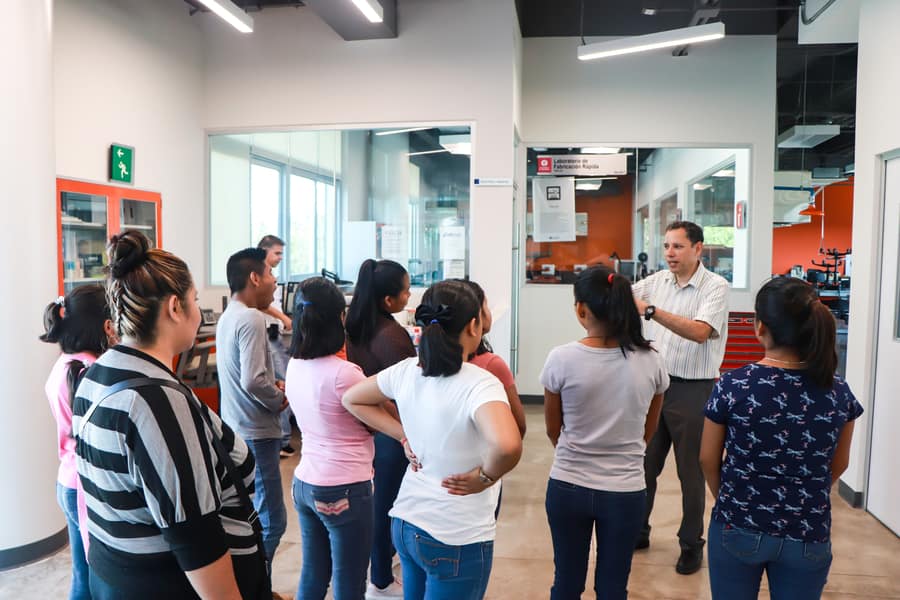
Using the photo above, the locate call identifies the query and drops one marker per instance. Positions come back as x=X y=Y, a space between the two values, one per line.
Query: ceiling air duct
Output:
x=807 y=136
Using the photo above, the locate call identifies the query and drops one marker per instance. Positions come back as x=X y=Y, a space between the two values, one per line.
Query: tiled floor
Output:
x=866 y=563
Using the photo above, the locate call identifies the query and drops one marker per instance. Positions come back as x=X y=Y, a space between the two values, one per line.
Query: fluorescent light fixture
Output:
x=231 y=13
x=702 y=186
x=427 y=152
x=371 y=9
x=588 y=187
x=600 y=150
x=724 y=173
x=653 y=41
x=457 y=144
x=807 y=136
x=407 y=130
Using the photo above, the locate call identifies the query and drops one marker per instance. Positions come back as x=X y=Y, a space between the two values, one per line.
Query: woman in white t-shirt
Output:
x=462 y=438
x=602 y=399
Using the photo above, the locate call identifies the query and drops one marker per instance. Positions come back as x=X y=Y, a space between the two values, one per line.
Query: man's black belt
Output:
x=683 y=380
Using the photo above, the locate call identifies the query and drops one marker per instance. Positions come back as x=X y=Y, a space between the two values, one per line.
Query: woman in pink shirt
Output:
x=80 y=323
x=332 y=487
x=485 y=358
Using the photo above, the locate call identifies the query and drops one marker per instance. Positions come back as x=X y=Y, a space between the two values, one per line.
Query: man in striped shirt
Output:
x=686 y=308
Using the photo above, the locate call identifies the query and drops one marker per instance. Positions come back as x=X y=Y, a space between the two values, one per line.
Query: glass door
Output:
x=84 y=223
x=140 y=215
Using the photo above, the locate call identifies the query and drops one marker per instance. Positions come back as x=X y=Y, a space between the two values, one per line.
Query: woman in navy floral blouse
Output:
x=785 y=425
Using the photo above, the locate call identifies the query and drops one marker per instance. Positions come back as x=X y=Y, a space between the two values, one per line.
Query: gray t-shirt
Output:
x=605 y=399
x=250 y=401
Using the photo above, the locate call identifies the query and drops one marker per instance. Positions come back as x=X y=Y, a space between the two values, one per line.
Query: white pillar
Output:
x=31 y=524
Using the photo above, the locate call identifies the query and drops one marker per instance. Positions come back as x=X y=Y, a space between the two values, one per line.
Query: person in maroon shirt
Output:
x=375 y=341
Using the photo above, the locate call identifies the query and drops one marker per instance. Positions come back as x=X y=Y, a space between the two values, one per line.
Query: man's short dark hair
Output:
x=268 y=241
x=241 y=264
x=694 y=232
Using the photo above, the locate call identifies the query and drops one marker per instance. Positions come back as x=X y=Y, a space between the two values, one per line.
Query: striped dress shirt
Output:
x=157 y=495
x=703 y=298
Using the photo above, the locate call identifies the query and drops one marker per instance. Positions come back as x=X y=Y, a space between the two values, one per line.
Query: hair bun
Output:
x=127 y=251
x=427 y=314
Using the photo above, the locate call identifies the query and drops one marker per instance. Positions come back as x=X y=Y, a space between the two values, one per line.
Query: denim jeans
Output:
x=390 y=466
x=575 y=513
x=436 y=571
x=268 y=497
x=336 y=532
x=68 y=502
x=737 y=558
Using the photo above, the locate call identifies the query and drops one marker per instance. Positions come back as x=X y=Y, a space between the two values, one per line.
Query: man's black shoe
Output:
x=642 y=543
x=690 y=561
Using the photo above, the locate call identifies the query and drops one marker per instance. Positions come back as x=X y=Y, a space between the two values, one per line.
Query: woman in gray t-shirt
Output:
x=602 y=400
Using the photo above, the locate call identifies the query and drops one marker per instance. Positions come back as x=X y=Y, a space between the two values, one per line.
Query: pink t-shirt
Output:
x=337 y=449
x=58 y=394
x=496 y=366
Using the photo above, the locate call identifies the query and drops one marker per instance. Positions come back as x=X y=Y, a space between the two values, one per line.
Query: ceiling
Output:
x=816 y=84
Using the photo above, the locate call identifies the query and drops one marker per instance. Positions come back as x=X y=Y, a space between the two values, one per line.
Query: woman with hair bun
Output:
x=164 y=479
x=80 y=324
x=375 y=341
x=785 y=424
x=332 y=488
x=460 y=438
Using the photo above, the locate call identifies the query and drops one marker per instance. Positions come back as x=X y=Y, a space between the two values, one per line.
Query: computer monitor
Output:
x=628 y=269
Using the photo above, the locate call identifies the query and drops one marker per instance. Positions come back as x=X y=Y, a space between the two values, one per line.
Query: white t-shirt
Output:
x=605 y=400
x=438 y=415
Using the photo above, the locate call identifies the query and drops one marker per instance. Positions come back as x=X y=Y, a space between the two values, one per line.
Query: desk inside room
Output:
x=196 y=367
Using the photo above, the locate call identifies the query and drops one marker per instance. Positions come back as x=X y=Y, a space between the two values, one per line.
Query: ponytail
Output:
x=53 y=321
x=74 y=375
x=446 y=309
x=610 y=299
x=77 y=321
x=819 y=352
x=375 y=281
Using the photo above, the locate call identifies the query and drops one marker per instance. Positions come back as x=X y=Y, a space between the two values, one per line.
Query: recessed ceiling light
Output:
x=406 y=130
x=230 y=13
x=371 y=9
x=648 y=11
x=427 y=152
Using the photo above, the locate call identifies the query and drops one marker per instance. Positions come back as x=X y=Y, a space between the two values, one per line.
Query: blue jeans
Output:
x=575 y=513
x=336 y=530
x=268 y=497
x=390 y=466
x=436 y=571
x=737 y=558
x=68 y=502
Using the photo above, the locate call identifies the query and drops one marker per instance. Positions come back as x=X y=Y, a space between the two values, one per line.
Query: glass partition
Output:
x=338 y=197
x=620 y=201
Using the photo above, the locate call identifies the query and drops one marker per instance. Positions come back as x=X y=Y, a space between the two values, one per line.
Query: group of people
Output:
x=403 y=451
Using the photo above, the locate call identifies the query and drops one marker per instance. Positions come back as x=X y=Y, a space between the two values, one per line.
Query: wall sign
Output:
x=582 y=164
x=121 y=163
x=740 y=215
x=554 y=209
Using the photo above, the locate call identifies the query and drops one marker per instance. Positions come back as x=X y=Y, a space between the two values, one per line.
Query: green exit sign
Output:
x=121 y=163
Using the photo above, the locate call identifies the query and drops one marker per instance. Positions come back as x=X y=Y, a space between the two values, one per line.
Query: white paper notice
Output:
x=454 y=269
x=393 y=243
x=554 y=209
x=453 y=243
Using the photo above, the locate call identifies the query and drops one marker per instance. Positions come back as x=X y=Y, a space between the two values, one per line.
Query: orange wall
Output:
x=798 y=244
x=609 y=229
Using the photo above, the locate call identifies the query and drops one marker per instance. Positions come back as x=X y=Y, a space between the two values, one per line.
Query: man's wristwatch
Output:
x=485 y=478
x=649 y=312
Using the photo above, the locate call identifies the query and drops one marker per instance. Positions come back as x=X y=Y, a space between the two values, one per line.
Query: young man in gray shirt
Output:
x=252 y=399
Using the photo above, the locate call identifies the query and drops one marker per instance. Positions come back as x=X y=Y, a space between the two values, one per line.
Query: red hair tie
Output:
x=610 y=278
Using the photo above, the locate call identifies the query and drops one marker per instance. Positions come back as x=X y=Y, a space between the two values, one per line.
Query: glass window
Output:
x=265 y=201
x=667 y=213
x=302 y=246
x=713 y=209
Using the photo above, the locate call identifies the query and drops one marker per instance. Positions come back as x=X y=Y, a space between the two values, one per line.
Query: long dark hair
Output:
x=318 y=329
x=796 y=319
x=375 y=281
x=446 y=308
x=611 y=301
x=77 y=323
x=484 y=347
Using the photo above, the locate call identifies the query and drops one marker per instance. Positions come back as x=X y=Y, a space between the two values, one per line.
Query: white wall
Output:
x=28 y=511
x=131 y=71
x=721 y=94
x=877 y=132
x=452 y=61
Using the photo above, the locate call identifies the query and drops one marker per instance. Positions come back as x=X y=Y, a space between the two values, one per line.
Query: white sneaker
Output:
x=394 y=590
